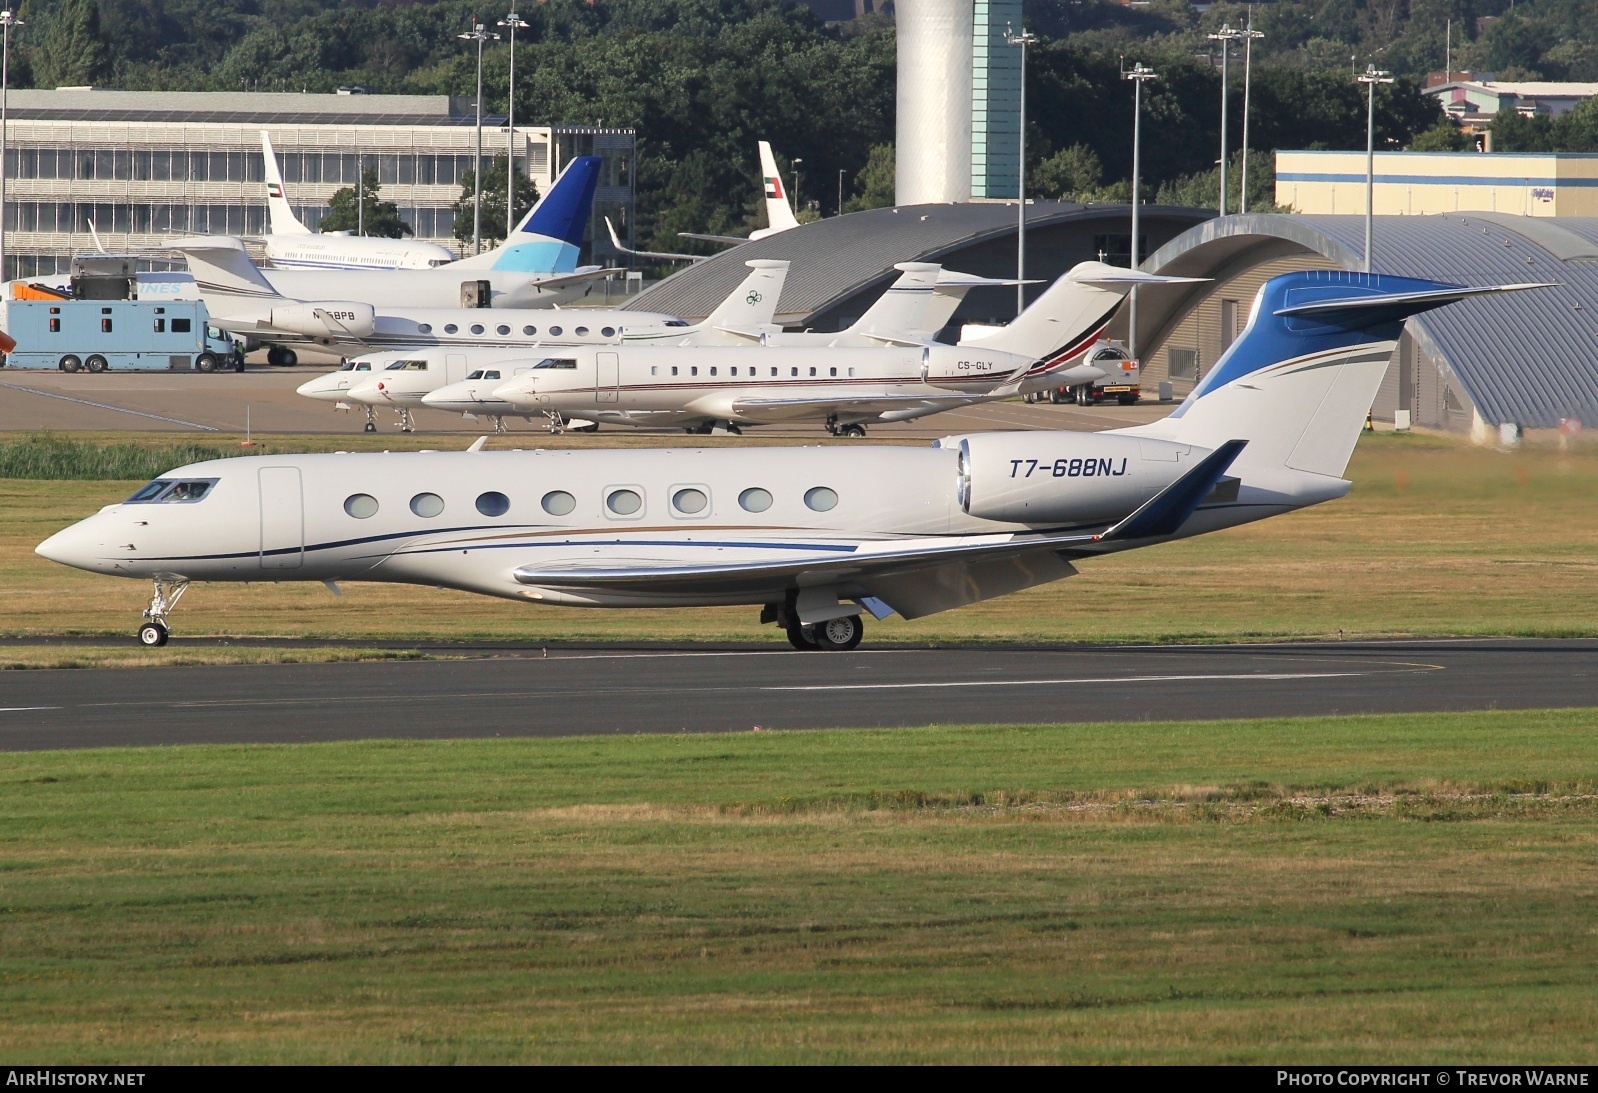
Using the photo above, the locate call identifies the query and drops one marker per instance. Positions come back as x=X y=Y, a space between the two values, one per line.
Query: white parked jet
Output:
x=291 y=245
x=843 y=383
x=535 y=268
x=779 y=216
x=814 y=537
x=400 y=379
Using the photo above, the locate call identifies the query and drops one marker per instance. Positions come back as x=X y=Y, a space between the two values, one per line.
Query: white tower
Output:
x=932 y=156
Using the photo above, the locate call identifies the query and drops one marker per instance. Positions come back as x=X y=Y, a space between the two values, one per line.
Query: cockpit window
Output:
x=407 y=366
x=475 y=375
x=165 y=491
x=556 y=362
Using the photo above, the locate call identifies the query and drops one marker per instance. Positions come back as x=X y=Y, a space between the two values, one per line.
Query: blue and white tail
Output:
x=549 y=237
x=1300 y=379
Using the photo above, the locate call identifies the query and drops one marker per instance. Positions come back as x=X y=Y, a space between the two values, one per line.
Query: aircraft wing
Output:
x=860 y=404
x=615 y=241
x=592 y=273
x=713 y=238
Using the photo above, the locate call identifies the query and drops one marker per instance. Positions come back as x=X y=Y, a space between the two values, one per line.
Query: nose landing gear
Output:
x=371 y=419
x=163 y=601
x=407 y=424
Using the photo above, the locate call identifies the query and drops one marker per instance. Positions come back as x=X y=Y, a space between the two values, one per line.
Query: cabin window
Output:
x=493 y=503
x=712 y=370
x=477 y=328
x=689 y=501
x=362 y=506
x=851 y=371
x=529 y=330
x=693 y=370
x=821 y=499
x=832 y=371
x=624 y=502
x=425 y=328
x=428 y=504
x=608 y=331
x=674 y=369
x=793 y=371
x=812 y=369
x=754 y=499
x=582 y=332
x=653 y=370
x=558 y=503
x=182 y=326
x=774 y=372
x=451 y=328
x=55 y=326
x=502 y=330
x=105 y=326
x=160 y=326
x=554 y=332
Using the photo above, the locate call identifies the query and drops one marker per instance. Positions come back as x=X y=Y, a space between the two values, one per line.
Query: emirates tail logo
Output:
x=774 y=187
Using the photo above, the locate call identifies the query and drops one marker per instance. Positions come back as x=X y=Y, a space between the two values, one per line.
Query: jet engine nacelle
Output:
x=1064 y=478
x=325 y=320
x=961 y=366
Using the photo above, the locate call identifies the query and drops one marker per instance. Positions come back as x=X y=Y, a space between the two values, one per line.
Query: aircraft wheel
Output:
x=1055 y=396
x=593 y=427
x=153 y=634
x=70 y=363
x=852 y=431
x=205 y=362
x=290 y=358
x=370 y=427
x=840 y=635
x=802 y=637
x=274 y=355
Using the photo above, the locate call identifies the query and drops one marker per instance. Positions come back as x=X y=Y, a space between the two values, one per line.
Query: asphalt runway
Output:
x=515 y=691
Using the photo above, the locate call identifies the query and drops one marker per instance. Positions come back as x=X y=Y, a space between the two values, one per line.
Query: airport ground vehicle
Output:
x=1120 y=380
x=126 y=335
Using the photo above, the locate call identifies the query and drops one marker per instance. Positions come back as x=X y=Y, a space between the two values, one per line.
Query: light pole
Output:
x=1248 y=35
x=512 y=23
x=1139 y=75
x=1226 y=36
x=1370 y=79
x=480 y=35
x=1023 y=40
x=8 y=19
x=840 y=191
x=796 y=206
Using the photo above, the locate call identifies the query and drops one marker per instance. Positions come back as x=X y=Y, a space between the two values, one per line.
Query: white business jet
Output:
x=535 y=268
x=844 y=385
x=814 y=537
x=291 y=245
x=402 y=379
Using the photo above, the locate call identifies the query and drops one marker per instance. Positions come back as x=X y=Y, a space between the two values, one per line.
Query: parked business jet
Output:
x=910 y=312
x=402 y=378
x=291 y=245
x=779 y=217
x=814 y=537
x=535 y=268
x=842 y=384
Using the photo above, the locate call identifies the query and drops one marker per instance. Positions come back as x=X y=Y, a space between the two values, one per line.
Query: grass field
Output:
x=1380 y=889
x=1436 y=538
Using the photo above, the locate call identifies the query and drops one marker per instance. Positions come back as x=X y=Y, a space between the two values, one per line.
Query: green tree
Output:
x=1068 y=175
x=493 y=217
x=874 y=185
x=1445 y=136
x=71 y=52
x=381 y=218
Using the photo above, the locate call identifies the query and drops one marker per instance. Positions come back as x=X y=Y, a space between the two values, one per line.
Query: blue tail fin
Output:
x=549 y=237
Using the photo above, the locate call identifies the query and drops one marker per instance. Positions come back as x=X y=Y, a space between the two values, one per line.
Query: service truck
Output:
x=1121 y=379
x=134 y=335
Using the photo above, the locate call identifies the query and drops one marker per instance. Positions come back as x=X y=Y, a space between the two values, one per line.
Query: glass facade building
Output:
x=995 y=101
x=142 y=166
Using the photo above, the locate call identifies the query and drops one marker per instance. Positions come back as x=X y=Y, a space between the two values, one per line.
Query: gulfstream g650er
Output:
x=813 y=537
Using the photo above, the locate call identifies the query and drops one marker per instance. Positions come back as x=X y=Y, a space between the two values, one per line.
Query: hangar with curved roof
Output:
x=841 y=265
x=1522 y=360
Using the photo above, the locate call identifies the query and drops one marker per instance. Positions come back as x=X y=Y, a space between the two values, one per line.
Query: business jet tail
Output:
x=779 y=214
x=223 y=272
x=920 y=303
x=550 y=235
x=749 y=309
x=1299 y=381
x=279 y=214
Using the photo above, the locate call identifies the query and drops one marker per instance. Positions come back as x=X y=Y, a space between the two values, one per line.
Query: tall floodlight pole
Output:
x=796 y=164
x=840 y=191
x=1370 y=79
x=512 y=23
x=481 y=35
x=1248 y=34
x=1023 y=40
x=1139 y=75
x=1226 y=36
x=8 y=19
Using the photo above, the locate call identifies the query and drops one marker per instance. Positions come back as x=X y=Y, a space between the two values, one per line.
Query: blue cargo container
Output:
x=126 y=335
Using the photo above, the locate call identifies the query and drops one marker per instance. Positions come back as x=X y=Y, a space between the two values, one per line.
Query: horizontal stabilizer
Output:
x=1166 y=512
x=713 y=238
x=1375 y=308
x=1108 y=276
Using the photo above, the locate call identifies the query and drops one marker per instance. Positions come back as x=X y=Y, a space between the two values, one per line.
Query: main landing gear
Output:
x=853 y=429
x=834 y=635
x=165 y=598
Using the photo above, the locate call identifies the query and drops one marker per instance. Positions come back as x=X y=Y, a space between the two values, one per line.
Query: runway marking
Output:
x=108 y=406
x=1267 y=676
x=24 y=709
